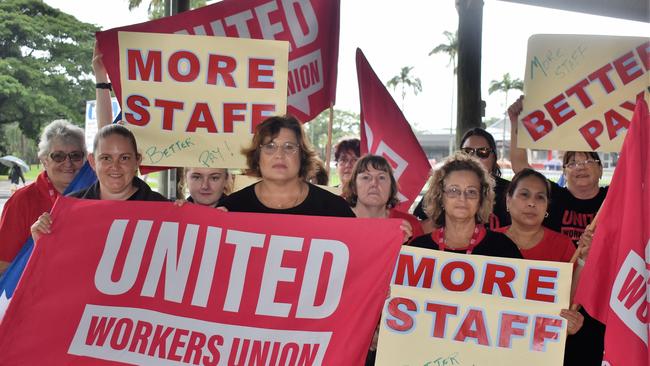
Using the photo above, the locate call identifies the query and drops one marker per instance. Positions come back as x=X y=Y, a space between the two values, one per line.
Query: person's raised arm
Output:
x=103 y=95
x=518 y=156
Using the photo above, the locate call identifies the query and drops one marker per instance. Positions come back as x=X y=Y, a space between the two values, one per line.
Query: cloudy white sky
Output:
x=396 y=34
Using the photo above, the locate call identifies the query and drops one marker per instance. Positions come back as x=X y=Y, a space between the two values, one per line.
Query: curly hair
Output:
x=268 y=130
x=458 y=162
x=379 y=163
x=63 y=131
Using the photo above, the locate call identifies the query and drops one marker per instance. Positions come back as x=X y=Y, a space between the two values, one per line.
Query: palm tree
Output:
x=451 y=49
x=405 y=80
x=505 y=85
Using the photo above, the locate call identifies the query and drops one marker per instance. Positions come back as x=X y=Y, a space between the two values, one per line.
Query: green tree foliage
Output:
x=45 y=65
x=157 y=7
x=17 y=144
x=345 y=124
x=405 y=80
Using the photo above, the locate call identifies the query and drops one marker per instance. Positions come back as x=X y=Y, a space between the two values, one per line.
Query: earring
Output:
x=507 y=209
x=546 y=214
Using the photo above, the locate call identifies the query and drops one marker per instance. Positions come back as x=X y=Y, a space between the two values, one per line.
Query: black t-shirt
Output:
x=570 y=215
x=493 y=244
x=318 y=202
x=499 y=217
x=219 y=202
x=143 y=193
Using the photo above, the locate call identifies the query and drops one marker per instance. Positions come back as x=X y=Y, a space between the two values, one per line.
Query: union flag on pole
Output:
x=613 y=285
x=386 y=132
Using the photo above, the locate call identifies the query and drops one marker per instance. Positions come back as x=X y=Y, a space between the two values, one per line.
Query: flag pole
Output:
x=328 y=147
x=592 y=226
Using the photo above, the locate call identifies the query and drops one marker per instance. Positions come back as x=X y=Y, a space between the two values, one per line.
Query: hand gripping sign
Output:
x=458 y=309
x=150 y=283
x=581 y=91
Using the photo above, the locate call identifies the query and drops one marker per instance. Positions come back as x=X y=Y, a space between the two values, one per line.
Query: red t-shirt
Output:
x=21 y=211
x=553 y=247
x=415 y=223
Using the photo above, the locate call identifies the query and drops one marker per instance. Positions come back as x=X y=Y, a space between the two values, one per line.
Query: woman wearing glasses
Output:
x=281 y=155
x=571 y=211
x=62 y=151
x=346 y=153
x=459 y=201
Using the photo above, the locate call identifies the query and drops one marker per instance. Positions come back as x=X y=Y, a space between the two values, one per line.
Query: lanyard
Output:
x=439 y=237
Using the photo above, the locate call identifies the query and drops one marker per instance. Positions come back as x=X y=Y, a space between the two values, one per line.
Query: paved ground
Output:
x=5 y=192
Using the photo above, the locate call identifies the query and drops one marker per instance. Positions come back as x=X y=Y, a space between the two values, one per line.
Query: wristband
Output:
x=104 y=86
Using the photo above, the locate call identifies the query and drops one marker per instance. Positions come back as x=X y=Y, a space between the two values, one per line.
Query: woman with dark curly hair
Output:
x=282 y=156
x=459 y=201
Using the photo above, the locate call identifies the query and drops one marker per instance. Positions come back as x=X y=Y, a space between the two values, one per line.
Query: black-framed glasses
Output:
x=469 y=193
x=289 y=148
x=74 y=156
x=586 y=163
x=481 y=152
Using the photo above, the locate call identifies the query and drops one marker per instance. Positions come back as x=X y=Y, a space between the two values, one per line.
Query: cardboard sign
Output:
x=150 y=283
x=458 y=309
x=195 y=100
x=581 y=91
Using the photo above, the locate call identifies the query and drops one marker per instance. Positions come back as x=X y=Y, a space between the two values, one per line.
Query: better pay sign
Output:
x=196 y=100
x=581 y=91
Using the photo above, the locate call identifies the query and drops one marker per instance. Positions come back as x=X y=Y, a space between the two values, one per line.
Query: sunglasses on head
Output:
x=481 y=152
x=60 y=156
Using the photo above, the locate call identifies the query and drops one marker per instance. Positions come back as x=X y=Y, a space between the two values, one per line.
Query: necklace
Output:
x=279 y=204
x=439 y=237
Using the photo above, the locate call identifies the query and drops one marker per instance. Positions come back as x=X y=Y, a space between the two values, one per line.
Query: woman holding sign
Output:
x=459 y=201
x=571 y=212
x=282 y=156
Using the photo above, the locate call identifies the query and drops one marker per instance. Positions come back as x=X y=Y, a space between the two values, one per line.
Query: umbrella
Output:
x=10 y=160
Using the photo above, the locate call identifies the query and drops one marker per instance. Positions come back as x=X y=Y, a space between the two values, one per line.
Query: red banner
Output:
x=613 y=285
x=386 y=132
x=310 y=26
x=151 y=283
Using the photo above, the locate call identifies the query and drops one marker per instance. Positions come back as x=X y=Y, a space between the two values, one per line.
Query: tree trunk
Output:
x=470 y=23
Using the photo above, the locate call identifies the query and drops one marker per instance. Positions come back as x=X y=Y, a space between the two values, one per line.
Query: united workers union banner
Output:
x=154 y=284
x=581 y=91
x=310 y=26
x=457 y=309
x=196 y=100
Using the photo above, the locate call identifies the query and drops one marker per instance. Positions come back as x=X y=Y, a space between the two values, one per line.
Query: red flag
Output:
x=613 y=285
x=310 y=27
x=385 y=131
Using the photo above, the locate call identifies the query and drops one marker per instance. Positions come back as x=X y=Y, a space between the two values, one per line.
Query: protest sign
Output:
x=581 y=91
x=196 y=100
x=310 y=26
x=150 y=283
x=458 y=309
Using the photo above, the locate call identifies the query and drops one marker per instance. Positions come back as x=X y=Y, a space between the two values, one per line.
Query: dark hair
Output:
x=319 y=175
x=568 y=155
x=477 y=131
x=270 y=128
x=347 y=145
x=378 y=163
x=525 y=173
x=115 y=129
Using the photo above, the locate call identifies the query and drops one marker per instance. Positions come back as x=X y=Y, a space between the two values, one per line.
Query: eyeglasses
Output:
x=481 y=152
x=469 y=193
x=346 y=161
x=577 y=164
x=60 y=156
x=288 y=148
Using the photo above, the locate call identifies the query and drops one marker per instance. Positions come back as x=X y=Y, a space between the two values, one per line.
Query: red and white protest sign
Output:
x=613 y=286
x=310 y=26
x=385 y=132
x=150 y=283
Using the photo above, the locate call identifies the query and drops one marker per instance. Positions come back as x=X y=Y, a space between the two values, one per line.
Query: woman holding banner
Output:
x=572 y=211
x=459 y=201
x=527 y=202
x=115 y=160
x=282 y=156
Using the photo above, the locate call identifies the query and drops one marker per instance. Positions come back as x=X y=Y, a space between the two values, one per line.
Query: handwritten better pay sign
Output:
x=196 y=100
x=581 y=91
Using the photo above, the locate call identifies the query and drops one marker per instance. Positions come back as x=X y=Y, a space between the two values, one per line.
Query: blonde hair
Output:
x=433 y=206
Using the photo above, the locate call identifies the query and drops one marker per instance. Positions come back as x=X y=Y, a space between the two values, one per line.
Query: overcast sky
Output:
x=395 y=36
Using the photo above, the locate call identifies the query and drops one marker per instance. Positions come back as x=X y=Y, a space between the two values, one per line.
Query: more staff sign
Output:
x=196 y=100
x=581 y=91
x=457 y=309
x=149 y=283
